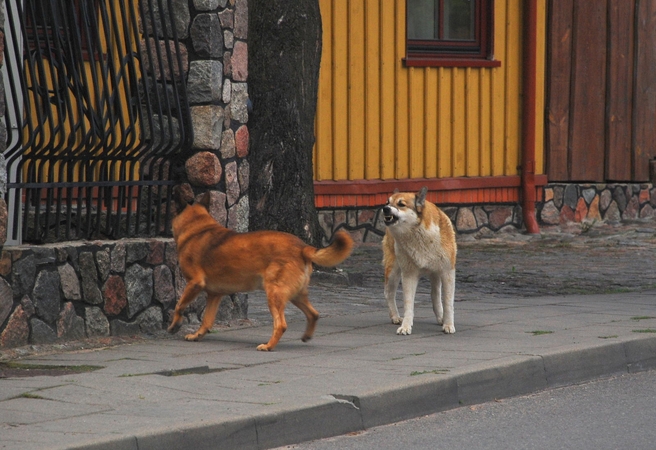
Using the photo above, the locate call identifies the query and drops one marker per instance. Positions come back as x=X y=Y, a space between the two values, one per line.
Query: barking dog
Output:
x=222 y=262
x=419 y=241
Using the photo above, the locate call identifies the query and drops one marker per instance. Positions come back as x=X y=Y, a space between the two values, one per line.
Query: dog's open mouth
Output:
x=389 y=219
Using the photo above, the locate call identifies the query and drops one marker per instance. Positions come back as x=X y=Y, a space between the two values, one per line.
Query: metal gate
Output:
x=97 y=118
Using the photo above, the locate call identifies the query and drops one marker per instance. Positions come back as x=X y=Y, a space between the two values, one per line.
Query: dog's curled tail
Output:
x=335 y=253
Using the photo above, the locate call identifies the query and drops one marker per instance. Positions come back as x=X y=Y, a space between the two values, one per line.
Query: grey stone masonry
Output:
x=74 y=290
x=561 y=204
x=217 y=89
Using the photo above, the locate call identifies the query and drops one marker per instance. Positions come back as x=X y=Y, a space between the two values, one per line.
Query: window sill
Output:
x=413 y=61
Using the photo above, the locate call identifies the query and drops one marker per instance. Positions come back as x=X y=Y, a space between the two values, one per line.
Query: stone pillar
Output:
x=218 y=96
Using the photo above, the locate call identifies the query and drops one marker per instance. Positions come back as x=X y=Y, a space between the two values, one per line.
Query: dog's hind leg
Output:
x=392 y=279
x=212 y=306
x=276 y=299
x=303 y=303
x=449 y=286
x=193 y=288
x=436 y=297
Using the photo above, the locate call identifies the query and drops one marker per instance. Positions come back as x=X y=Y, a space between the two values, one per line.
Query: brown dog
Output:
x=222 y=262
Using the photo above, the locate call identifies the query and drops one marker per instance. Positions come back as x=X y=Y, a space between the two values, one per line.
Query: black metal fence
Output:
x=97 y=118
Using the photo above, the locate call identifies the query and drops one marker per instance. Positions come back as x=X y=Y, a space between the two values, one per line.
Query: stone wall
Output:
x=563 y=203
x=77 y=289
x=90 y=289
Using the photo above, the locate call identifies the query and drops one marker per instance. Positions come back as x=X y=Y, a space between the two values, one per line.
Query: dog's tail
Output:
x=335 y=253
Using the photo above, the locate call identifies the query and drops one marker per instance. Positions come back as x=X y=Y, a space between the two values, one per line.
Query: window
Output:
x=450 y=33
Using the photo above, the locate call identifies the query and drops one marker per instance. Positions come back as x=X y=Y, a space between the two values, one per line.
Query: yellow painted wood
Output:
x=372 y=90
x=389 y=121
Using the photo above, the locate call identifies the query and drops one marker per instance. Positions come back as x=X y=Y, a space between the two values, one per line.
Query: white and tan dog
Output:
x=419 y=241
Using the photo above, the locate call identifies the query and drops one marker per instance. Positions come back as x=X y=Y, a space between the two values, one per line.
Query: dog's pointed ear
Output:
x=205 y=200
x=396 y=191
x=420 y=199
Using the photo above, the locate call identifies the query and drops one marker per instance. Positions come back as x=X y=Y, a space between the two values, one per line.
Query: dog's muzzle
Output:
x=388 y=215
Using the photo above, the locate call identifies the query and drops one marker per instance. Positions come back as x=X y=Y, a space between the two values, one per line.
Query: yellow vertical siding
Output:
x=377 y=119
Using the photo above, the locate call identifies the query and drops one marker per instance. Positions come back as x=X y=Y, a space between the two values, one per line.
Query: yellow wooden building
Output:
x=394 y=112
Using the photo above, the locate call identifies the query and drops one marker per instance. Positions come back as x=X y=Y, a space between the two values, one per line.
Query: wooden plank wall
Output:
x=601 y=90
x=379 y=120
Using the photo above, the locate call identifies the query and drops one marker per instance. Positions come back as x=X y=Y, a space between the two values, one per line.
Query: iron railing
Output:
x=97 y=118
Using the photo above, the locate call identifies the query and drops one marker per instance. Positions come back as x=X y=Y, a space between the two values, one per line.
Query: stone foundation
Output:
x=563 y=203
x=75 y=290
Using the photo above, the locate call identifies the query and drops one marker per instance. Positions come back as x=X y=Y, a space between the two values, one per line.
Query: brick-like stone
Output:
x=17 y=331
x=89 y=274
x=70 y=326
x=593 y=211
x=227 y=18
x=612 y=214
x=70 y=283
x=204 y=169
x=232 y=184
x=240 y=61
x=218 y=207
x=115 y=295
x=465 y=220
x=42 y=333
x=241 y=19
x=206 y=36
x=239 y=104
x=500 y=217
x=117 y=264
x=207 y=122
x=581 y=210
x=23 y=275
x=151 y=320
x=46 y=295
x=156 y=253
x=604 y=199
x=241 y=141
x=96 y=322
x=204 y=82
x=6 y=300
x=566 y=214
x=164 y=290
x=139 y=288
x=243 y=175
x=632 y=209
x=103 y=261
x=228 y=144
x=238 y=215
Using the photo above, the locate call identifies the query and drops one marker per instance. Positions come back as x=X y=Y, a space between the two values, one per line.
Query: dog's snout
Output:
x=387 y=210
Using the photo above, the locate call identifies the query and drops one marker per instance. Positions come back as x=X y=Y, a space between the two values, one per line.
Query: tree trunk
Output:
x=284 y=58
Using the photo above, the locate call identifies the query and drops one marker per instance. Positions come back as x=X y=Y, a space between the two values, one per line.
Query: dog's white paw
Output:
x=449 y=329
x=404 y=330
x=396 y=320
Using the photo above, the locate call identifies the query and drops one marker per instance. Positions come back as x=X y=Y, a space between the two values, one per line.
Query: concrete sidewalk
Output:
x=356 y=373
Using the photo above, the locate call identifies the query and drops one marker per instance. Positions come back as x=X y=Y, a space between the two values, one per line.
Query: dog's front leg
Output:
x=410 y=280
x=449 y=286
x=193 y=288
x=393 y=277
x=436 y=297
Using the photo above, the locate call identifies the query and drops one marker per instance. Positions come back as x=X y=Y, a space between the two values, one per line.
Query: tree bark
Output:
x=284 y=58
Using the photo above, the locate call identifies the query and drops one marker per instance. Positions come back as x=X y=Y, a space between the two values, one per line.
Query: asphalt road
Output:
x=617 y=413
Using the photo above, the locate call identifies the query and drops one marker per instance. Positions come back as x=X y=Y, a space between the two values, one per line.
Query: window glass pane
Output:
x=459 y=20
x=421 y=19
